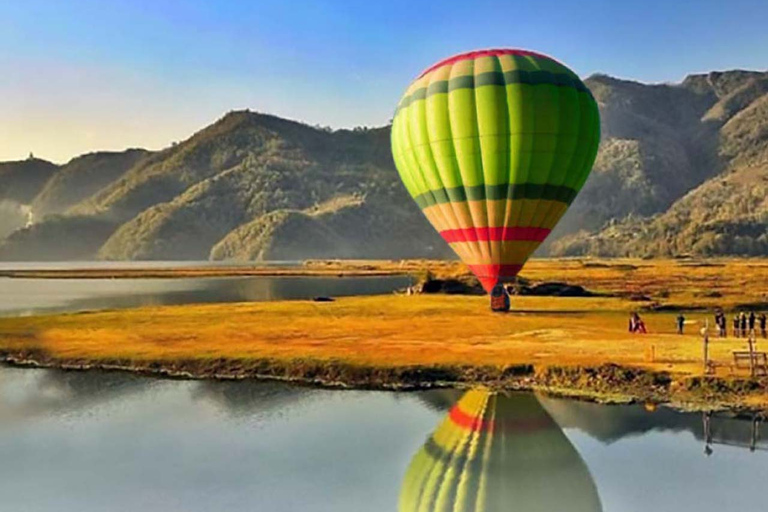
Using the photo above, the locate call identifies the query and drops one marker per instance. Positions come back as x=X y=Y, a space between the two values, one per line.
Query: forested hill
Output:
x=682 y=169
x=250 y=186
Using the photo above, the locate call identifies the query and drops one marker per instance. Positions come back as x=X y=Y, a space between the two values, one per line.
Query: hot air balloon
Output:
x=497 y=453
x=493 y=146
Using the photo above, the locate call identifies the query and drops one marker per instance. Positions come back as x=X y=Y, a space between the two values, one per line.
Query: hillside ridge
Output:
x=682 y=169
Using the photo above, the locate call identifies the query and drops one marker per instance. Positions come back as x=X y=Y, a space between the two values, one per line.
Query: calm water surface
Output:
x=30 y=296
x=87 y=442
x=97 y=441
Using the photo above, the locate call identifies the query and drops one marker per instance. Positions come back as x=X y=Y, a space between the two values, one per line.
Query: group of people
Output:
x=744 y=324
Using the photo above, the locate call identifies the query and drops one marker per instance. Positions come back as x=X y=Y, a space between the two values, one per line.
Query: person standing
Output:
x=736 y=325
x=762 y=324
x=751 y=321
x=743 y=324
x=717 y=323
x=640 y=325
x=680 y=323
x=722 y=326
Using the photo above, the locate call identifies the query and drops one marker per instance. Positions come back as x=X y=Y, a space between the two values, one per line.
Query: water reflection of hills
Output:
x=611 y=423
x=440 y=400
x=25 y=394
x=496 y=453
x=29 y=394
x=244 y=398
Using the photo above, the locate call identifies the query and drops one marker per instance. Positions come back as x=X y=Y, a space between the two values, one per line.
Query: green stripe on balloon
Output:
x=517 y=76
x=495 y=192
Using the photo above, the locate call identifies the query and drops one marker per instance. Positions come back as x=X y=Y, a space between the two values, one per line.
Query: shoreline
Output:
x=195 y=272
x=608 y=384
x=308 y=268
x=576 y=346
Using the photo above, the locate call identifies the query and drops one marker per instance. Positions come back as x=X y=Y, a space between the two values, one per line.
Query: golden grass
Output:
x=728 y=283
x=377 y=331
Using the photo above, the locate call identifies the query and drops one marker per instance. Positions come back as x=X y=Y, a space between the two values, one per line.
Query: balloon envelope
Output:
x=493 y=146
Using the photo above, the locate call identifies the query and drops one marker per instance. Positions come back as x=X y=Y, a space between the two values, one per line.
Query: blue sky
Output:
x=82 y=75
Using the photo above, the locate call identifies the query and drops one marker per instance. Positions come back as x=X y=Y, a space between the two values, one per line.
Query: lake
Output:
x=75 y=441
x=30 y=296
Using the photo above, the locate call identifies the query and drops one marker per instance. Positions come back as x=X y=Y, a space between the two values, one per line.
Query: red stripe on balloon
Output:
x=469 y=422
x=490 y=275
x=505 y=234
x=478 y=424
x=484 y=53
x=498 y=270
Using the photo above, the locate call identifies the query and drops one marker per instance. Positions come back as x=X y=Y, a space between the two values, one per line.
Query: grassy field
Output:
x=688 y=284
x=383 y=330
x=430 y=331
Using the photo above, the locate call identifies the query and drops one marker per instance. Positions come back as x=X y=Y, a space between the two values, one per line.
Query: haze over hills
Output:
x=19 y=183
x=82 y=177
x=682 y=169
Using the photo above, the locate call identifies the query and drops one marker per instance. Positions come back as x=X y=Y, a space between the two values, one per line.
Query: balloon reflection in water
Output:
x=498 y=453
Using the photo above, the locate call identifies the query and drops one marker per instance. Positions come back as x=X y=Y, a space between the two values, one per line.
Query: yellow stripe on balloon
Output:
x=514 y=252
x=496 y=213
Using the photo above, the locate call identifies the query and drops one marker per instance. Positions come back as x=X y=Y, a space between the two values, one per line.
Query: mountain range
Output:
x=682 y=169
